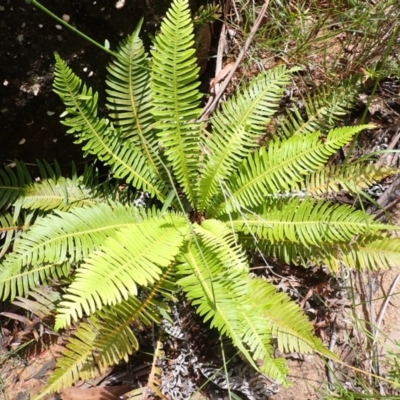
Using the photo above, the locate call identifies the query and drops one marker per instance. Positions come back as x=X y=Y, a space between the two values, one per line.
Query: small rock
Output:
x=119 y=4
x=66 y=17
x=50 y=113
x=5 y=83
x=59 y=27
x=22 y=141
x=2 y=8
x=35 y=89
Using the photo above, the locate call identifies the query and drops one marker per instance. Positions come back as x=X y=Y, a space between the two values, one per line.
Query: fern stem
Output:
x=192 y=232
x=78 y=32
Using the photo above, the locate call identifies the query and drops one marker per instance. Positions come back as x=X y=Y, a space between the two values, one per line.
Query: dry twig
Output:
x=213 y=101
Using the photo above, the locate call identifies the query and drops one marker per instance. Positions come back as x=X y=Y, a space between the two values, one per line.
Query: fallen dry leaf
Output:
x=222 y=74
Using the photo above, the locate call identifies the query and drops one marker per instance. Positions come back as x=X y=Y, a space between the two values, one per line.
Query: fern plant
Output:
x=221 y=196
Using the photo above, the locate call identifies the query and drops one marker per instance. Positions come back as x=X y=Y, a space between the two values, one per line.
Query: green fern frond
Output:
x=50 y=191
x=17 y=283
x=101 y=138
x=77 y=360
x=116 y=340
x=322 y=110
x=135 y=256
x=176 y=99
x=215 y=290
x=112 y=337
x=129 y=99
x=59 y=238
x=275 y=316
x=231 y=301
x=304 y=221
x=370 y=252
x=351 y=178
x=279 y=168
x=12 y=184
x=8 y=228
x=62 y=195
x=129 y=83
x=11 y=227
x=206 y=14
x=237 y=127
x=283 y=318
x=217 y=236
x=259 y=341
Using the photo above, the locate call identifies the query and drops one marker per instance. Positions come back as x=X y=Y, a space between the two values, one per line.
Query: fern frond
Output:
x=259 y=340
x=49 y=191
x=215 y=290
x=306 y=221
x=59 y=238
x=17 y=283
x=351 y=178
x=112 y=340
x=77 y=360
x=12 y=184
x=231 y=301
x=53 y=191
x=279 y=168
x=217 y=236
x=322 y=110
x=283 y=318
x=62 y=195
x=129 y=83
x=116 y=340
x=176 y=99
x=135 y=256
x=129 y=99
x=237 y=126
x=8 y=228
x=44 y=302
x=154 y=381
x=370 y=252
x=11 y=227
x=276 y=316
x=101 y=138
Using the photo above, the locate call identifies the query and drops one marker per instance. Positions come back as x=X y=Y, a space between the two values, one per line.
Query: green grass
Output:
x=329 y=38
